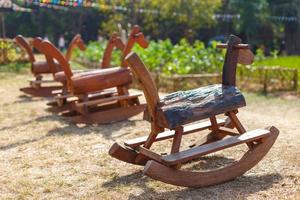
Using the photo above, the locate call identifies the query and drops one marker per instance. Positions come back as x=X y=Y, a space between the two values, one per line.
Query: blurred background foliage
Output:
x=268 y=24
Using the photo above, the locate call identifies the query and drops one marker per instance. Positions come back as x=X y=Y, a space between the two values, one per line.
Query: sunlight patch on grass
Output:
x=282 y=61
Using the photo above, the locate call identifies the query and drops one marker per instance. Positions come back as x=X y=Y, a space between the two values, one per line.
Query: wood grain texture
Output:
x=183 y=107
x=100 y=79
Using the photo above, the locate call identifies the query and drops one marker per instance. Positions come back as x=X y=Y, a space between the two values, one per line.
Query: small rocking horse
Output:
x=63 y=99
x=179 y=111
x=40 y=68
x=116 y=107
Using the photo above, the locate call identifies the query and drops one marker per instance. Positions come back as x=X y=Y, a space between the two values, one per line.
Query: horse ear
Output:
x=246 y=57
x=142 y=40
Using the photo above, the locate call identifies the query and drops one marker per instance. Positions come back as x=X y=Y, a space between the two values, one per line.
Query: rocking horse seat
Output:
x=184 y=107
x=61 y=77
x=100 y=79
x=42 y=67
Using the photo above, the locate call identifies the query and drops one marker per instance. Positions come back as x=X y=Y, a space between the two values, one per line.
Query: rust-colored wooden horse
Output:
x=119 y=106
x=63 y=99
x=178 y=110
x=40 y=68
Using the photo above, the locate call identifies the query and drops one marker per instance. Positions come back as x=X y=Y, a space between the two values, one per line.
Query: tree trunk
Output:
x=3 y=25
x=292 y=33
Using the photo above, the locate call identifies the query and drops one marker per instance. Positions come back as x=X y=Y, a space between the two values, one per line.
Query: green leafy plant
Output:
x=164 y=57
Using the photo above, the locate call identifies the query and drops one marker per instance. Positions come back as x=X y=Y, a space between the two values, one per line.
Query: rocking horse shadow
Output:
x=39 y=119
x=105 y=130
x=23 y=98
x=242 y=188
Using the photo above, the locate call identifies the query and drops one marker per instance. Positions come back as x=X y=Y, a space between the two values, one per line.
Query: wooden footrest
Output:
x=199 y=151
x=170 y=134
x=90 y=96
x=42 y=81
x=106 y=100
x=102 y=93
x=63 y=96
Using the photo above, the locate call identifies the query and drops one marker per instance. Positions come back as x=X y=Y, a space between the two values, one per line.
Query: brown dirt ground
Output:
x=42 y=156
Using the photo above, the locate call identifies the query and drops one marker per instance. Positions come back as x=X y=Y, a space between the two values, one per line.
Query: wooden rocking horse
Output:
x=116 y=107
x=40 y=68
x=63 y=99
x=179 y=111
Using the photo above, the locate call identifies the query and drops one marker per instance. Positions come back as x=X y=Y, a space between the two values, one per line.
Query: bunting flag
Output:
x=65 y=3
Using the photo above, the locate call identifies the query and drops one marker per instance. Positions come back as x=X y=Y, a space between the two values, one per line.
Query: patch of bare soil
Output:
x=42 y=156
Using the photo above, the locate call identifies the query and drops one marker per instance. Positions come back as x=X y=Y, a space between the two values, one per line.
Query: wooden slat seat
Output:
x=184 y=107
x=100 y=79
x=199 y=151
x=61 y=76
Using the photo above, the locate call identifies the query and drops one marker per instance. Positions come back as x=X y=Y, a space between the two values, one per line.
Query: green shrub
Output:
x=162 y=56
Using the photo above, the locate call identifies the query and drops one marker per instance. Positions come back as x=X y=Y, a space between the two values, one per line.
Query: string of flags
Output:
x=65 y=3
x=230 y=17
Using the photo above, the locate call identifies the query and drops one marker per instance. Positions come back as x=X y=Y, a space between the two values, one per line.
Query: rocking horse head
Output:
x=136 y=36
x=236 y=53
x=114 y=41
x=24 y=44
x=76 y=42
x=52 y=53
x=36 y=43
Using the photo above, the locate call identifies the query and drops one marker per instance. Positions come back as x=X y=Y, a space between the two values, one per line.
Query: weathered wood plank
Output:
x=183 y=107
x=199 y=151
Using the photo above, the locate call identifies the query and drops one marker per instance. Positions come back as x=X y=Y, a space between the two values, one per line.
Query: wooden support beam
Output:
x=192 y=128
x=227 y=131
x=106 y=100
x=177 y=139
x=149 y=154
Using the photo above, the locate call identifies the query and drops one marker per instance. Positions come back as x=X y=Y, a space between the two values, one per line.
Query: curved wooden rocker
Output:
x=40 y=68
x=119 y=106
x=178 y=110
x=62 y=99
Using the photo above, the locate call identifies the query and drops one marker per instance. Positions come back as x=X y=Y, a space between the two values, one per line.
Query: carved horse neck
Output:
x=75 y=43
x=24 y=44
x=114 y=41
x=136 y=36
x=231 y=60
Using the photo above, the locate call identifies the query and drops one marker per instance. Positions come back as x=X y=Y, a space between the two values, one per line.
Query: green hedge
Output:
x=163 y=56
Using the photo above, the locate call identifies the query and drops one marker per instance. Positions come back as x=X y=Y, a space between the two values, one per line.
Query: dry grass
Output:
x=44 y=157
